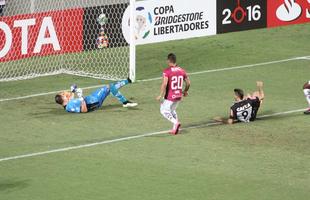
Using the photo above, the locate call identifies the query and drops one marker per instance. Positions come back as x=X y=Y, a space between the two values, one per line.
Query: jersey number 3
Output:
x=177 y=82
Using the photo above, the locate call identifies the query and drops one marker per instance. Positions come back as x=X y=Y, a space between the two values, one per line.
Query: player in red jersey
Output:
x=306 y=89
x=172 y=91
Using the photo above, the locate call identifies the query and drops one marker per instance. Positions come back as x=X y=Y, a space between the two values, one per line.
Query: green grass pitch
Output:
x=267 y=159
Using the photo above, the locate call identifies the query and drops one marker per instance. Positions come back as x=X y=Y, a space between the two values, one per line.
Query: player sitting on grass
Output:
x=94 y=100
x=306 y=89
x=245 y=108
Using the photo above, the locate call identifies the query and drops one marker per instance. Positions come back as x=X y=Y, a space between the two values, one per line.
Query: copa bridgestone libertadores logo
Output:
x=142 y=24
x=164 y=20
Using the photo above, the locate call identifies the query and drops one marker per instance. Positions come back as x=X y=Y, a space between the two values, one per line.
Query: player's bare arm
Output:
x=230 y=120
x=84 y=107
x=187 y=86
x=261 y=93
x=162 y=89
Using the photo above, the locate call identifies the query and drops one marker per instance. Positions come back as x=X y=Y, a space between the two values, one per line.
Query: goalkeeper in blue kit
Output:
x=95 y=100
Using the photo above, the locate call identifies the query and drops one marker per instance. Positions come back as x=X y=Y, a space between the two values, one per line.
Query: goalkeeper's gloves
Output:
x=79 y=93
x=73 y=88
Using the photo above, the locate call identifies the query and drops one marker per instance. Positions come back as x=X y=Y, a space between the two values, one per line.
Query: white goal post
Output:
x=84 y=38
x=132 y=51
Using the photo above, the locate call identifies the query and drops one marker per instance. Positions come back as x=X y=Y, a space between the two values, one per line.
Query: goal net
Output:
x=48 y=37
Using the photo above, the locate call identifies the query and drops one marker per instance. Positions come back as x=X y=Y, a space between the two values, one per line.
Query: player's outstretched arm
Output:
x=230 y=120
x=223 y=121
x=261 y=93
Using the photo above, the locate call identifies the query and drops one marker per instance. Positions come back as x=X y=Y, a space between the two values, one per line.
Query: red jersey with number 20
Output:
x=176 y=76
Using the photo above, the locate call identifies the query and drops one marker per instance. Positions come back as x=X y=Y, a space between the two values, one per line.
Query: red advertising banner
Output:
x=287 y=12
x=41 y=34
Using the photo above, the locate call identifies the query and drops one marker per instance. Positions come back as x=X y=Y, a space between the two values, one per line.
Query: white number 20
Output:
x=177 y=82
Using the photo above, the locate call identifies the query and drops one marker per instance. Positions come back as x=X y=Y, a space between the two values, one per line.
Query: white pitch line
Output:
x=305 y=58
x=44 y=94
x=158 y=78
x=128 y=138
x=246 y=66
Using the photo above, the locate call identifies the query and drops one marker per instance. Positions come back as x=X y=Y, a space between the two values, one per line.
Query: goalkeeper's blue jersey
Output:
x=93 y=101
x=74 y=106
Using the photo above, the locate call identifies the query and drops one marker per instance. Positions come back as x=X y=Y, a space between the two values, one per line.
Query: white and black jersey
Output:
x=246 y=110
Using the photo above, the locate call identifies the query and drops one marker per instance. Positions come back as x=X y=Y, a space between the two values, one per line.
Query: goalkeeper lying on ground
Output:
x=94 y=100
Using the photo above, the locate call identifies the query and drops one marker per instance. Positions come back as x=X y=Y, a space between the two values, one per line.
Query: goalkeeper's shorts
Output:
x=96 y=99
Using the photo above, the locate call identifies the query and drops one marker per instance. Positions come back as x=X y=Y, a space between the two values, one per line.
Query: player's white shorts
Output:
x=168 y=106
x=307 y=92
